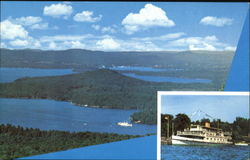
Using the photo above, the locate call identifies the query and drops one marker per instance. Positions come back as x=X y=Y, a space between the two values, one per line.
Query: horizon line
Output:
x=118 y=50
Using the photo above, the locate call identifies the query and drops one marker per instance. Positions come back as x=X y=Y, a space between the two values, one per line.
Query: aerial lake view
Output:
x=76 y=75
x=64 y=116
x=230 y=152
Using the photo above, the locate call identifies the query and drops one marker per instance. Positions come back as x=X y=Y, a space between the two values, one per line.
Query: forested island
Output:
x=100 y=88
x=239 y=127
x=16 y=141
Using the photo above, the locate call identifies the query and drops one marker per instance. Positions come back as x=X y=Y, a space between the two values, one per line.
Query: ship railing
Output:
x=190 y=133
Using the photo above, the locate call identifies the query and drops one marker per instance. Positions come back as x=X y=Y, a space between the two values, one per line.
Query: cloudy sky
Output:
x=224 y=107
x=122 y=26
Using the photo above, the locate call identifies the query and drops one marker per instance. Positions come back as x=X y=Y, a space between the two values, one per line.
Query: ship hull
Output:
x=177 y=140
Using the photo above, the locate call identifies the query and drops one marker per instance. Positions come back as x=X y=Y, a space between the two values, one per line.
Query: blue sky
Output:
x=224 y=107
x=122 y=26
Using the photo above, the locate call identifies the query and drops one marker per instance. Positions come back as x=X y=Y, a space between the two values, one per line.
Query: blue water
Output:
x=133 y=149
x=142 y=69
x=171 y=152
x=64 y=116
x=11 y=74
x=166 y=79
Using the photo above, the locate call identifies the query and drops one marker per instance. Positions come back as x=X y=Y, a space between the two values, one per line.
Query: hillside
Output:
x=82 y=59
x=23 y=142
x=102 y=88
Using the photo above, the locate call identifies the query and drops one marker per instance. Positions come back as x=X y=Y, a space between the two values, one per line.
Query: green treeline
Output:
x=102 y=88
x=21 y=142
x=239 y=128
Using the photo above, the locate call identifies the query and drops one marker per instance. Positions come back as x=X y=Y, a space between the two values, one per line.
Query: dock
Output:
x=165 y=140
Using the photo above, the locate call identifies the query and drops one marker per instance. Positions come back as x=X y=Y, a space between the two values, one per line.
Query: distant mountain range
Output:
x=79 y=59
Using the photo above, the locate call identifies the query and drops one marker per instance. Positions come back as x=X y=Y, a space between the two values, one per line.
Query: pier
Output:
x=165 y=140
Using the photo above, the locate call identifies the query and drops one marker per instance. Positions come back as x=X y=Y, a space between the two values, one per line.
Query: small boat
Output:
x=125 y=124
x=137 y=121
x=241 y=144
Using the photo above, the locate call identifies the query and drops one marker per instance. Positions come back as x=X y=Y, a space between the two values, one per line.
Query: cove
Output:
x=64 y=116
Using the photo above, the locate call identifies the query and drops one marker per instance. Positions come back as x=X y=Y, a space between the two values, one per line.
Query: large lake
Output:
x=172 y=152
x=11 y=74
x=64 y=116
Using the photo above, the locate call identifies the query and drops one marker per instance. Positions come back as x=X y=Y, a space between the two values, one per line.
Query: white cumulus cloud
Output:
x=28 y=42
x=215 y=21
x=19 y=42
x=162 y=37
x=74 y=44
x=203 y=46
x=108 y=30
x=108 y=44
x=31 y=21
x=40 y=26
x=9 y=30
x=64 y=38
x=58 y=10
x=27 y=21
x=87 y=16
x=3 y=45
x=52 y=45
x=96 y=27
x=149 y=16
x=210 y=43
x=230 y=48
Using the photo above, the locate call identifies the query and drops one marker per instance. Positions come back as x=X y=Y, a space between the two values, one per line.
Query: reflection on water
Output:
x=229 y=152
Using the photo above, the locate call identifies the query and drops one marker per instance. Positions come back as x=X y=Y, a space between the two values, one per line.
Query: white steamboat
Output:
x=201 y=135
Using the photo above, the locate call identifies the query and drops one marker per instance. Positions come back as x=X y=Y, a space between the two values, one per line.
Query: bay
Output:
x=166 y=79
x=12 y=74
x=64 y=116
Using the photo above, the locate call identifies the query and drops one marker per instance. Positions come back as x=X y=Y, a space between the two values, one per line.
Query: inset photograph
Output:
x=203 y=125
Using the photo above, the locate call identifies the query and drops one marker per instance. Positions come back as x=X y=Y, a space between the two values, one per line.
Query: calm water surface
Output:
x=171 y=152
x=56 y=115
x=166 y=79
x=11 y=74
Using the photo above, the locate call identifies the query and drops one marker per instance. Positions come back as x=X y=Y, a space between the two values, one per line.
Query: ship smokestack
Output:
x=207 y=124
